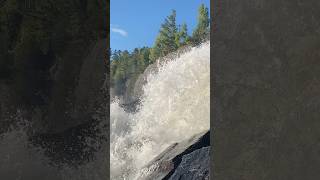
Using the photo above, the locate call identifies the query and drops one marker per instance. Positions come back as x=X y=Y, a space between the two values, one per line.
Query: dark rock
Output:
x=131 y=107
x=165 y=165
x=194 y=166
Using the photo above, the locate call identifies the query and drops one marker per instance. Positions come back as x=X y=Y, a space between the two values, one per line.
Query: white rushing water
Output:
x=21 y=160
x=175 y=106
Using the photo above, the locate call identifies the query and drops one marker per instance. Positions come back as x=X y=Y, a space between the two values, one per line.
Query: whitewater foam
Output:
x=22 y=160
x=175 y=106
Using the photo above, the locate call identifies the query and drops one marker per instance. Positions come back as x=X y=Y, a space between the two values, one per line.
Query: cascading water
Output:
x=175 y=106
x=22 y=160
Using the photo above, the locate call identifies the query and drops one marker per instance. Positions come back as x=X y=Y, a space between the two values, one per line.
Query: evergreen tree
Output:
x=182 y=37
x=156 y=50
x=168 y=34
x=145 y=51
x=128 y=66
x=166 y=40
x=202 y=29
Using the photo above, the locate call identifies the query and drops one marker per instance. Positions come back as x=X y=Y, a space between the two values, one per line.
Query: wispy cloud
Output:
x=116 y=29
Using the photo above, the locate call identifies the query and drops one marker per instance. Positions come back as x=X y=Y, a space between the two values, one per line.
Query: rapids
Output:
x=175 y=106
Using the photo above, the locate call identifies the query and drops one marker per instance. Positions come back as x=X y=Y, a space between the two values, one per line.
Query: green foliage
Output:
x=47 y=23
x=156 y=50
x=34 y=34
x=168 y=34
x=203 y=28
x=182 y=37
x=126 y=67
x=170 y=37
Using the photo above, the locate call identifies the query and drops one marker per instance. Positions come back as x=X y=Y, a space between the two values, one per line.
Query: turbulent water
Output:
x=175 y=106
x=21 y=160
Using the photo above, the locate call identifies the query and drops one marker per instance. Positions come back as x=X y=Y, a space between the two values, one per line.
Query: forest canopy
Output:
x=36 y=35
x=127 y=66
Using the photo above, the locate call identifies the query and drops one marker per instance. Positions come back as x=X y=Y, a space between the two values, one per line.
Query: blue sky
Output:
x=136 y=23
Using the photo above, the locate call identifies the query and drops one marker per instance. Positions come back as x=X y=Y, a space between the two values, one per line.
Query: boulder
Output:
x=194 y=166
x=189 y=158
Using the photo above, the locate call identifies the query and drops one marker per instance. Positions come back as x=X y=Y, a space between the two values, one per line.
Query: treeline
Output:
x=36 y=34
x=27 y=26
x=126 y=66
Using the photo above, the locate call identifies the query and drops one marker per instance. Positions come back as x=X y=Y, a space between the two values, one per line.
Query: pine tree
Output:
x=156 y=50
x=168 y=33
x=182 y=37
x=166 y=40
x=202 y=28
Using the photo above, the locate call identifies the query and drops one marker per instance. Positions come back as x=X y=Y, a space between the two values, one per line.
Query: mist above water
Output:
x=175 y=106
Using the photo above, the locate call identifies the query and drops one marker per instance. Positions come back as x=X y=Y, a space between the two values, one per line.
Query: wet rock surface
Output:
x=194 y=166
x=189 y=158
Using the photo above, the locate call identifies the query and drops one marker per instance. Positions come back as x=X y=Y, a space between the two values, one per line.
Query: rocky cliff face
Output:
x=266 y=71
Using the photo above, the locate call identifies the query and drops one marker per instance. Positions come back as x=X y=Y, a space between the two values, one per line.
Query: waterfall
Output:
x=21 y=159
x=175 y=105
